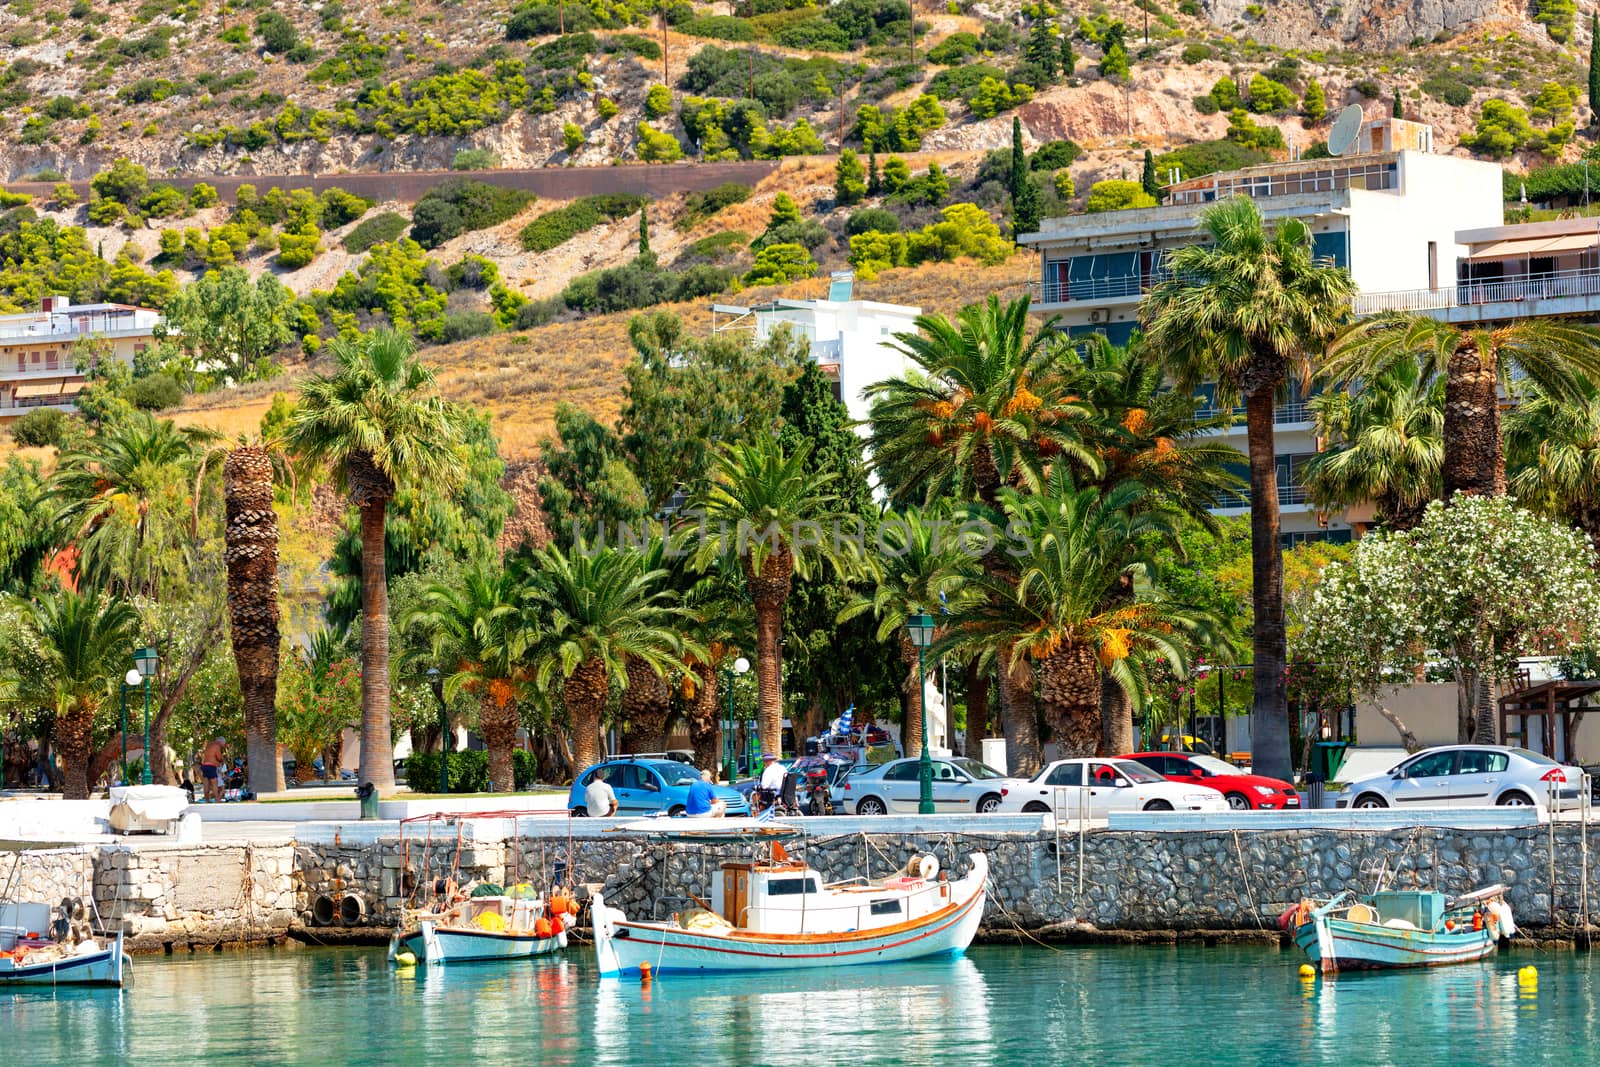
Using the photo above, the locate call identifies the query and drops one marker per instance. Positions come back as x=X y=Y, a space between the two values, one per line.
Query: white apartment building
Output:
x=38 y=367
x=1391 y=211
x=852 y=340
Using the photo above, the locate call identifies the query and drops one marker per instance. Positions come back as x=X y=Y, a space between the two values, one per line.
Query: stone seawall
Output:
x=168 y=896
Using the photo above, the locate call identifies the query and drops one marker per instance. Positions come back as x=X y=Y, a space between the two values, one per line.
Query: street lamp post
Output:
x=731 y=747
x=447 y=740
x=130 y=680
x=146 y=661
x=920 y=627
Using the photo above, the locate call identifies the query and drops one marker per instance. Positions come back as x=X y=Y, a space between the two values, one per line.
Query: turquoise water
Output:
x=1186 y=1005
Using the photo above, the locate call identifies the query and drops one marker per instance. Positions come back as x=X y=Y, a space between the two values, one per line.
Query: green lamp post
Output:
x=738 y=666
x=130 y=680
x=920 y=628
x=146 y=661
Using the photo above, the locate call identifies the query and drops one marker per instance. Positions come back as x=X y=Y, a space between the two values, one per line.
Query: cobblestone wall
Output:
x=171 y=895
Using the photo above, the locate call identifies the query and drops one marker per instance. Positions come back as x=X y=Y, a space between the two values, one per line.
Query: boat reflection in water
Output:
x=925 y=1008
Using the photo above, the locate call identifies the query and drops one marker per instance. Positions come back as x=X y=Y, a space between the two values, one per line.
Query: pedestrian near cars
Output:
x=703 y=800
x=598 y=798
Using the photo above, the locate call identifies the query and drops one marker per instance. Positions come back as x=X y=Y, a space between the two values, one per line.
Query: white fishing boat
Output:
x=30 y=955
x=1399 y=929
x=514 y=925
x=776 y=913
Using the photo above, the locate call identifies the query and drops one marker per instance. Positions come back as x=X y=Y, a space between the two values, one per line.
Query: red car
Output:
x=1244 y=792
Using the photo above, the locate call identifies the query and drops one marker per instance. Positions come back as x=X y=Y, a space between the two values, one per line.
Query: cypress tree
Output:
x=1397 y=112
x=1024 y=195
x=644 y=233
x=1148 y=178
x=1594 y=69
x=1069 y=61
x=874 y=182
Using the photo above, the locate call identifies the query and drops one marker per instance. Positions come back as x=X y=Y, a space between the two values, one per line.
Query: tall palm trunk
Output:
x=768 y=592
x=585 y=694
x=1269 y=714
x=645 y=707
x=703 y=717
x=1474 y=459
x=1017 y=709
x=977 y=706
x=73 y=736
x=371 y=490
x=1069 y=683
x=1116 y=718
x=252 y=560
x=911 y=734
x=497 y=722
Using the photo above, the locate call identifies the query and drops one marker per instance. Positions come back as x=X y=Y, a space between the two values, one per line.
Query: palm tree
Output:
x=1246 y=309
x=1075 y=546
x=76 y=651
x=118 y=495
x=1477 y=363
x=924 y=563
x=1553 y=452
x=989 y=404
x=1385 y=444
x=592 y=609
x=479 y=631
x=375 y=423
x=986 y=407
x=768 y=510
x=251 y=470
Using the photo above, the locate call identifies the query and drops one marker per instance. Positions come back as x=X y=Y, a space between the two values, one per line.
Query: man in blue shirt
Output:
x=703 y=799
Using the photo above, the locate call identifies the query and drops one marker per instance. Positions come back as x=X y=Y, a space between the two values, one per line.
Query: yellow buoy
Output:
x=405 y=959
x=1528 y=976
x=1307 y=971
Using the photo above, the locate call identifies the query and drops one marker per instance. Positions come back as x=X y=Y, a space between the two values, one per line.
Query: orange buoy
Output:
x=1450 y=925
x=644 y=971
x=1477 y=920
x=542 y=927
x=556 y=925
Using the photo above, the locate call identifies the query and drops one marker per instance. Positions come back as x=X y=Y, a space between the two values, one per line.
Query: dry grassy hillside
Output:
x=520 y=377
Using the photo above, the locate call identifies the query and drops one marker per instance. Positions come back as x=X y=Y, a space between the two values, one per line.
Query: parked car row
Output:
x=1448 y=776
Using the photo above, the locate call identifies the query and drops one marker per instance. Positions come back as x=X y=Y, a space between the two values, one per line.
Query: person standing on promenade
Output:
x=211 y=766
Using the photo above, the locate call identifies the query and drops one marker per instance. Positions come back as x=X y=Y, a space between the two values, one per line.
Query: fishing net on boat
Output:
x=487 y=889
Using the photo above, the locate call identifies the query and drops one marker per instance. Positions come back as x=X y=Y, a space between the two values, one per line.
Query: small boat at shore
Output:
x=775 y=913
x=513 y=924
x=30 y=955
x=1399 y=928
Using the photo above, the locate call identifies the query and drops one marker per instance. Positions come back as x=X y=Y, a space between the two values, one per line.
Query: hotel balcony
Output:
x=1518 y=296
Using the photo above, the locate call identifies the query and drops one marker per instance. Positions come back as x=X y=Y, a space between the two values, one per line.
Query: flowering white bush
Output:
x=1476 y=585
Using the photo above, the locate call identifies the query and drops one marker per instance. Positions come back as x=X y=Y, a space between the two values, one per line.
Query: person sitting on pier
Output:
x=598 y=799
x=703 y=799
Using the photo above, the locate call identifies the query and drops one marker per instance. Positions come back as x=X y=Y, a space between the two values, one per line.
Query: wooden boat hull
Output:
x=106 y=967
x=1348 y=946
x=621 y=946
x=436 y=945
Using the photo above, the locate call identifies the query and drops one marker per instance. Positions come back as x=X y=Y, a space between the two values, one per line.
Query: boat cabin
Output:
x=788 y=897
x=1423 y=909
x=21 y=920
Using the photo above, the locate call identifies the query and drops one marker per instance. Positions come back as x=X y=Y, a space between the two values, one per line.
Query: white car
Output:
x=1098 y=787
x=1468 y=776
x=959 y=785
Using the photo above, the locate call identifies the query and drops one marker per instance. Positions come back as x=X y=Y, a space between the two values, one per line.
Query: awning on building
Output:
x=38 y=390
x=1519 y=247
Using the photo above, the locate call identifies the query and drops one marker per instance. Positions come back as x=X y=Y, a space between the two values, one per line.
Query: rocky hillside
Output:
x=188 y=87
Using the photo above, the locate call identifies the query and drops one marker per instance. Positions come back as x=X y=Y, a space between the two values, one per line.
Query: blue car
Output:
x=649 y=786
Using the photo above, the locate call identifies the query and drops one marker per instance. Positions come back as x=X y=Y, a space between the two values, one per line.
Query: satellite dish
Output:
x=1345 y=130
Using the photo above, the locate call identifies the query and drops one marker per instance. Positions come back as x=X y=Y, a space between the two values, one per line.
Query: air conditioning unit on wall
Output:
x=1100 y=315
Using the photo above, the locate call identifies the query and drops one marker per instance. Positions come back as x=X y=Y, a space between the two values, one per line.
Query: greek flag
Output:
x=769 y=814
x=841 y=726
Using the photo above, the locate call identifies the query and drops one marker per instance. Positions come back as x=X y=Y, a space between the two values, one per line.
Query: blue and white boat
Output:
x=30 y=954
x=1400 y=928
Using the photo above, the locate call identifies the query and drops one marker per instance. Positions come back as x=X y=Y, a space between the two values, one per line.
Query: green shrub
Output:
x=778 y=264
x=41 y=428
x=155 y=392
x=1243 y=130
x=462 y=325
x=1114 y=194
x=719 y=27
x=336 y=207
x=379 y=228
x=954 y=48
x=539 y=312
x=1556 y=17
x=697 y=207
x=634 y=43
x=462 y=205
x=475 y=159
x=1207 y=157
x=1501 y=130
x=1449 y=89
x=728 y=244
x=469 y=771
x=656 y=146
x=1197 y=52
x=277 y=33
x=555 y=228
x=658 y=102
x=1267 y=96
x=1368 y=88
x=872 y=220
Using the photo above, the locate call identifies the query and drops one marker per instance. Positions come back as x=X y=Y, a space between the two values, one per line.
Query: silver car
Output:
x=1468 y=776
x=959 y=785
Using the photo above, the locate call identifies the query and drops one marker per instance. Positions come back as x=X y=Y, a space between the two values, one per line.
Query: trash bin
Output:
x=1313 y=783
x=367 y=793
x=1327 y=758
